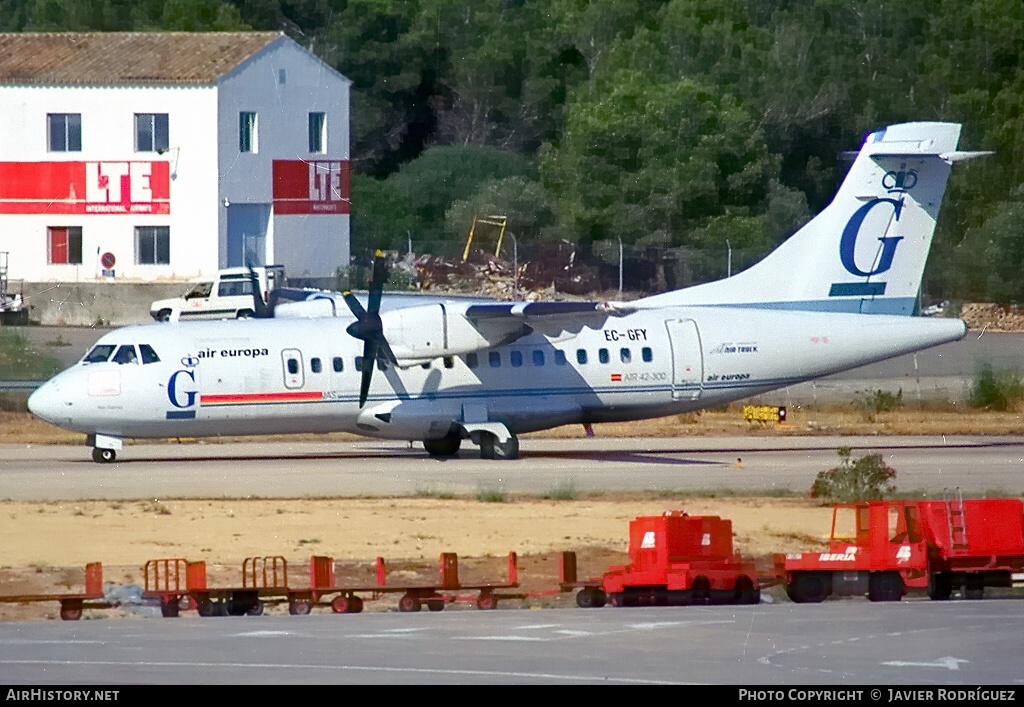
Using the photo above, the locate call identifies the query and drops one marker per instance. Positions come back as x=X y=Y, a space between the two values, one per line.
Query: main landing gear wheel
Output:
x=103 y=456
x=447 y=446
x=491 y=448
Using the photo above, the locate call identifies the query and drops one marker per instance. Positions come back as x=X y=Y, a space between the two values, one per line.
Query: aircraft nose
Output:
x=47 y=402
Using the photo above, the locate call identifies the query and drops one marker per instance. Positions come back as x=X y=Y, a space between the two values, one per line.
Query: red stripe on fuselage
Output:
x=243 y=398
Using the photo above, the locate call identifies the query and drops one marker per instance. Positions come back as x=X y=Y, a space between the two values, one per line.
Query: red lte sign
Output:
x=85 y=188
x=311 y=187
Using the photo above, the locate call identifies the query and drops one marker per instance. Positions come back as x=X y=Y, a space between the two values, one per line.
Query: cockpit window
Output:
x=99 y=354
x=126 y=354
x=148 y=354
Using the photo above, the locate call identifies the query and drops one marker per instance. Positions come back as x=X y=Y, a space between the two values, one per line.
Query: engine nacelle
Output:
x=429 y=331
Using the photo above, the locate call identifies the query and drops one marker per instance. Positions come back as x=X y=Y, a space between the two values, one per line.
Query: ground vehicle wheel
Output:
x=256 y=609
x=409 y=603
x=170 y=607
x=745 y=592
x=447 y=446
x=974 y=587
x=341 y=605
x=700 y=591
x=71 y=609
x=435 y=604
x=600 y=598
x=103 y=456
x=808 y=588
x=164 y=315
x=486 y=602
x=355 y=605
x=940 y=586
x=885 y=586
x=244 y=314
x=299 y=607
x=586 y=598
x=204 y=607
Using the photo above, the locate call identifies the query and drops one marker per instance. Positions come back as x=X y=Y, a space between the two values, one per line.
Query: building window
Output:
x=152 y=245
x=64 y=132
x=65 y=245
x=318 y=133
x=151 y=132
x=282 y=77
x=247 y=133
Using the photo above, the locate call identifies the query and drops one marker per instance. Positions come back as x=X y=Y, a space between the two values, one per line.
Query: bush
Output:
x=863 y=479
x=995 y=389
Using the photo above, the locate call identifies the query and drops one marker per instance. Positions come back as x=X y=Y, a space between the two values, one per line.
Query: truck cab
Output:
x=226 y=295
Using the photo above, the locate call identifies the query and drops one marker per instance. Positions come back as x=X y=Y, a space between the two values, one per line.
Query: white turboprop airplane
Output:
x=840 y=293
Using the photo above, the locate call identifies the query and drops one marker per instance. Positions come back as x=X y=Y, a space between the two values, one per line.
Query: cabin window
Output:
x=559 y=357
x=99 y=354
x=382 y=365
x=581 y=356
x=602 y=355
x=449 y=362
x=339 y=364
x=494 y=358
x=472 y=361
x=315 y=365
x=647 y=354
x=148 y=354
x=516 y=359
x=359 y=364
x=625 y=355
x=538 y=357
x=126 y=354
x=293 y=366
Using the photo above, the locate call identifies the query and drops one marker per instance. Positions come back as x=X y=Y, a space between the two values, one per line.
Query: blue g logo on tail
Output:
x=895 y=182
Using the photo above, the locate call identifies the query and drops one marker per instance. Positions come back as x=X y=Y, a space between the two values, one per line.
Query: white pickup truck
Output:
x=226 y=295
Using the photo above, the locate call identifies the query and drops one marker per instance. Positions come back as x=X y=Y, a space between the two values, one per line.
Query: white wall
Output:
x=108 y=134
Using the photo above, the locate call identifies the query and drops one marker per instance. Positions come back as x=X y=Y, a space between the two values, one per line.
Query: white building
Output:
x=159 y=156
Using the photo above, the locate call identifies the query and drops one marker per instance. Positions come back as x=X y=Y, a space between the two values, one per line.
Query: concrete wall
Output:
x=89 y=303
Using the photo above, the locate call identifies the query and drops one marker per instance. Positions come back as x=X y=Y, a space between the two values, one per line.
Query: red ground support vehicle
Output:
x=675 y=559
x=895 y=546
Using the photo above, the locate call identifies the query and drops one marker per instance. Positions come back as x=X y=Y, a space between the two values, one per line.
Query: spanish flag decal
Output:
x=616 y=378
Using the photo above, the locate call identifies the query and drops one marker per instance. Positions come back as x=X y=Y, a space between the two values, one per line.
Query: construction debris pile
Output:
x=552 y=273
x=993 y=317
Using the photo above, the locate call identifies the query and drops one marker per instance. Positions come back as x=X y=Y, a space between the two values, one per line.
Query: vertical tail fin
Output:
x=866 y=251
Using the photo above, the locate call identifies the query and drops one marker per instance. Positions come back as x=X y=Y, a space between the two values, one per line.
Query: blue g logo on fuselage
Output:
x=187 y=390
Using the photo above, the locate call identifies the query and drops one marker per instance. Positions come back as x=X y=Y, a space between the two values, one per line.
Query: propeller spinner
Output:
x=368 y=327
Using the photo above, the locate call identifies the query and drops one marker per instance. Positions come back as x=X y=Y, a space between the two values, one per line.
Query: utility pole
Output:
x=729 y=264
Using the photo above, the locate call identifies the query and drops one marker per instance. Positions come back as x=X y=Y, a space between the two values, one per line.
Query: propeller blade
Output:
x=369 y=359
x=260 y=309
x=380 y=276
x=354 y=305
